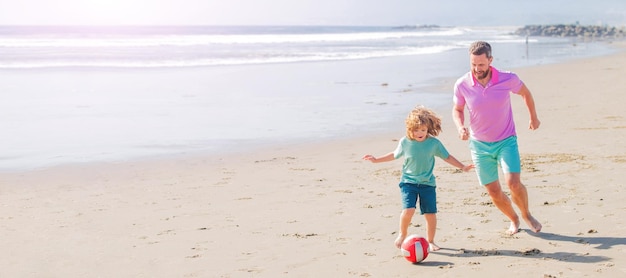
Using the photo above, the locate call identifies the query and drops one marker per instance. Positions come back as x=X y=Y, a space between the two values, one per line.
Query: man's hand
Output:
x=463 y=133
x=534 y=124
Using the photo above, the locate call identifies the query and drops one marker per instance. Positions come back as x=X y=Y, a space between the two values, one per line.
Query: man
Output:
x=486 y=92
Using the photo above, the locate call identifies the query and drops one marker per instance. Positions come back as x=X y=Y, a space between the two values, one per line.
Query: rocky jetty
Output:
x=419 y=27
x=572 y=30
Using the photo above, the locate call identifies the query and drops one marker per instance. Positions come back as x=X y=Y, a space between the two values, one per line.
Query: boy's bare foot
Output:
x=399 y=240
x=534 y=225
x=513 y=229
x=433 y=247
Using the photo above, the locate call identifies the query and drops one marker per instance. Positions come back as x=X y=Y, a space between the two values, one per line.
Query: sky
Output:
x=311 y=12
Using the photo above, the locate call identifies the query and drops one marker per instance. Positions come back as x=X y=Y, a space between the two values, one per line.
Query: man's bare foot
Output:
x=399 y=240
x=534 y=225
x=433 y=247
x=513 y=229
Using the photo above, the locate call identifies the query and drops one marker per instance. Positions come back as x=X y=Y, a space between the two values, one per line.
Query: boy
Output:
x=419 y=148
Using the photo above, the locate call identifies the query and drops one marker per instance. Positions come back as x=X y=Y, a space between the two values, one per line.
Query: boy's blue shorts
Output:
x=488 y=155
x=426 y=194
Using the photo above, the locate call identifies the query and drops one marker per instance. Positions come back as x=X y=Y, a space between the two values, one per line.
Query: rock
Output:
x=572 y=30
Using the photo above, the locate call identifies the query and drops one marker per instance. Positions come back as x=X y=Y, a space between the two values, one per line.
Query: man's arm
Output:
x=530 y=105
x=458 y=115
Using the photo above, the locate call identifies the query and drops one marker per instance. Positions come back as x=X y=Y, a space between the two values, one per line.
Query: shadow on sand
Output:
x=601 y=242
x=534 y=253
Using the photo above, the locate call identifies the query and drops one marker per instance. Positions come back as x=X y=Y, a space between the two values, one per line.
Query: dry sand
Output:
x=318 y=210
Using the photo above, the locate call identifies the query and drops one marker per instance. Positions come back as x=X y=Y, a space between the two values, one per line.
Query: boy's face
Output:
x=420 y=133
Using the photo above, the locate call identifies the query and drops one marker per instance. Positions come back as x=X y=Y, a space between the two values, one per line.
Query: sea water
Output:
x=82 y=94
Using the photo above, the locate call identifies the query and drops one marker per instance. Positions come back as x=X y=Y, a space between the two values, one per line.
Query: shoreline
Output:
x=319 y=210
x=379 y=89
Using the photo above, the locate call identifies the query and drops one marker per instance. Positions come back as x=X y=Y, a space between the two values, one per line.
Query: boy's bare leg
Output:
x=405 y=221
x=431 y=228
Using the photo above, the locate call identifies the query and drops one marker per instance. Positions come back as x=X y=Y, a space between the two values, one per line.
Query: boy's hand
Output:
x=369 y=157
x=383 y=158
x=467 y=168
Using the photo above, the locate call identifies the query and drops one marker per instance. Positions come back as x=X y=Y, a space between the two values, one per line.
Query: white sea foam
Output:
x=192 y=48
x=150 y=40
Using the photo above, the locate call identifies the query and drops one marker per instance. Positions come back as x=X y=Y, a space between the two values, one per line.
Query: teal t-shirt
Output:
x=419 y=159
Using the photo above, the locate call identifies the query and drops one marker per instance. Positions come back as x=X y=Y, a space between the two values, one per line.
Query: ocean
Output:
x=88 y=94
x=31 y=47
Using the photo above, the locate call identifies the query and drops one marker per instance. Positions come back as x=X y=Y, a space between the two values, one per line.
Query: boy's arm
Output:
x=384 y=158
x=456 y=163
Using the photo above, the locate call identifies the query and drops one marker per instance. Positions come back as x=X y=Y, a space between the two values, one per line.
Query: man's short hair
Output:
x=480 y=48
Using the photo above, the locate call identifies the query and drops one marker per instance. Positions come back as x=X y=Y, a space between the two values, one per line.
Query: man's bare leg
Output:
x=519 y=196
x=503 y=203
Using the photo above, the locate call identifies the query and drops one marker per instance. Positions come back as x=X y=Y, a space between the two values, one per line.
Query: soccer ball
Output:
x=414 y=248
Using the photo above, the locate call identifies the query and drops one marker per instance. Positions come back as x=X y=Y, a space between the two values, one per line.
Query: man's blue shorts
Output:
x=426 y=194
x=488 y=155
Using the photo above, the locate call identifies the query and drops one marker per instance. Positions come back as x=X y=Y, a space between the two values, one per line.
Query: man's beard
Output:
x=483 y=75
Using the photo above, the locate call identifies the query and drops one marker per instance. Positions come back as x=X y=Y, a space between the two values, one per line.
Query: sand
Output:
x=318 y=210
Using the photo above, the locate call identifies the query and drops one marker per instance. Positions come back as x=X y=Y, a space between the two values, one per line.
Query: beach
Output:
x=315 y=209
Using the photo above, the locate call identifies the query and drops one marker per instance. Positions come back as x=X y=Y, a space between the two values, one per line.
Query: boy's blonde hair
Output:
x=422 y=116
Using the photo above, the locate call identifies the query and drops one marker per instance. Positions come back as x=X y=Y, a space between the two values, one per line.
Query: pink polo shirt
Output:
x=490 y=113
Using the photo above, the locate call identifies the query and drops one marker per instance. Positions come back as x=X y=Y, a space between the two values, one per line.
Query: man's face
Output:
x=480 y=65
